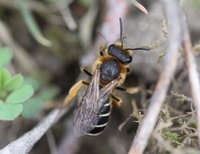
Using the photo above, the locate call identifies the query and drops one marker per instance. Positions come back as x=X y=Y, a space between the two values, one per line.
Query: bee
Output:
x=109 y=73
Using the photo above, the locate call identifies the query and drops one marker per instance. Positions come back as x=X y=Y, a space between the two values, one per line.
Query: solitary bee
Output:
x=108 y=73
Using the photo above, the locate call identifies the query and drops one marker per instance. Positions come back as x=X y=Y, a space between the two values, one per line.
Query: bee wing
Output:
x=106 y=91
x=87 y=114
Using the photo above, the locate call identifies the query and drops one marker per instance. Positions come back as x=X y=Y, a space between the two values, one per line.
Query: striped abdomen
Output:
x=103 y=120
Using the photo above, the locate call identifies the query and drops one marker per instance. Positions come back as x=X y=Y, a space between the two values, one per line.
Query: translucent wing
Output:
x=87 y=114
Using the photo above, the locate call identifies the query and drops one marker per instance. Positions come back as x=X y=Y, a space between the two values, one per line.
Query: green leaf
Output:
x=33 y=82
x=5 y=56
x=4 y=77
x=9 y=111
x=20 y=95
x=32 y=107
x=14 y=82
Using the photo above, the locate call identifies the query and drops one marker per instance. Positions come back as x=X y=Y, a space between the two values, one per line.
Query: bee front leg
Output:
x=103 y=50
x=116 y=101
x=86 y=70
x=74 y=90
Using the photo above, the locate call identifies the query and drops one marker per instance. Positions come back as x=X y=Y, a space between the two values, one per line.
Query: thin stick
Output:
x=193 y=77
x=175 y=38
x=139 y=6
x=51 y=141
x=63 y=8
x=24 y=144
x=109 y=28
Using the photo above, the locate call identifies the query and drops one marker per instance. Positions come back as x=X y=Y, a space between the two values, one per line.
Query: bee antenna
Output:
x=121 y=28
x=145 y=48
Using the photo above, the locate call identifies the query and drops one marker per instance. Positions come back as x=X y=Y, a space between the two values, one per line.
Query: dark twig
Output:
x=175 y=39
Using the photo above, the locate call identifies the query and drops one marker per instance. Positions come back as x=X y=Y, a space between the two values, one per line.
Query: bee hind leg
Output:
x=74 y=90
x=128 y=70
x=116 y=101
x=130 y=90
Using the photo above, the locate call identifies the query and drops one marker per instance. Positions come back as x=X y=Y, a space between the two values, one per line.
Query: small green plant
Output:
x=13 y=90
x=172 y=136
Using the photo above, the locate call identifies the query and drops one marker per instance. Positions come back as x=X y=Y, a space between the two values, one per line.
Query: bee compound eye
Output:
x=111 y=47
x=128 y=59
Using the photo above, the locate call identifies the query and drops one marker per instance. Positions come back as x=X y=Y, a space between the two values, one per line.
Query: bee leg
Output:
x=116 y=101
x=103 y=49
x=128 y=70
x=74 y=90
x=86 y=70
x=131 y=90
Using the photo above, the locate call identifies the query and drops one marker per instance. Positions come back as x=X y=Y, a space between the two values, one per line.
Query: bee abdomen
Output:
x=103 y=120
